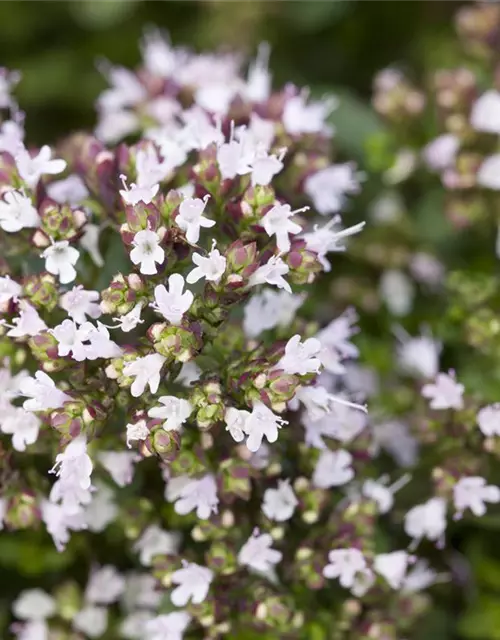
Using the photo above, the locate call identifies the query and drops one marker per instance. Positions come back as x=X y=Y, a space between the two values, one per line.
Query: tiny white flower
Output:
x=150 y=170
x=427 y=520
x=137 y=193
x=27 y=323
x=42 y=393
x=11 y=136
x=105 y=586
x=34 y=604
x=70 y=340
x=190 y=494
x=396 y=439
x=23 y=425
x=211 y=268
x=133 y=625
x=119 y=465
x=330 y=415
x=277 y=222
x=333 y=469
x=17 y=212
x=262 y=422
x=169 y=626
x=488 y=173
x=80 y=304
x=175 y=412
x=397 y=292
x=154 y=542
x=235 y=157
x=300 y=357
x=191 y=219
x=345 y=565
x=174 y=302
x=92 y=621
x=327 y=239
x=90 y=242
x=141 y=591
x=9 y=290
x=270 y=309
x=31 y=168
x=445 y=392
x=136 y=431
x=488 y=419
x=419 y=356
x=472 y=493
x=102 y=510
x=147 y=251
x=71 y=190
x=272 y=272
x=419 y=578
x=393 y=567
x=279 y=504
x=265 y=166
x=190 y=372
x=299 y=117
x=335 y=342
x=257 y=553
x=485 y=113
x=328 y=187
x=441 y=152
x=60 y=260
x=193 y=583
x=235 y=420
x=146 y=371
x=130 y=320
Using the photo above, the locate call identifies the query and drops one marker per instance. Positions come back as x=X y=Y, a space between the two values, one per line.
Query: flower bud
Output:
x=164 y=443
x=44 y=347
x=221 y=558
x=22 y=511
x=58 y=222
x=41 y=289
x=303 y=264
x=176 y=343
x=121 y=295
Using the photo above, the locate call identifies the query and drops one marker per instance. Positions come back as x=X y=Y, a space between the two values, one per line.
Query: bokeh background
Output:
x=333 y=45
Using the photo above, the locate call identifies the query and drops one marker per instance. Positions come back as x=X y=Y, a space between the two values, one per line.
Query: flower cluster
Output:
x=174 y=392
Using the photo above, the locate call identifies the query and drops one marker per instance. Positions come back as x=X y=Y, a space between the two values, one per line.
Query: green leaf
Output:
x=482 y=619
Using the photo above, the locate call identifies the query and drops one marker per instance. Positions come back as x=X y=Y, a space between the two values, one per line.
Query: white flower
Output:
x=485 y=113
x=119 y=464
x=154 y=542
x=335 y=342
x=419 y=356
x=73 y=468
x=102 y=510
x=272 y=272
x=472 y=493
x=11 y=136
x=235 y=420
x=101 y=346
x=427 y=269
x=133 y=626
x=346 y=565
x=333 y=469
x=193 y=583
x=211 y=268
x=441 y=152
x=147 y=251
x=130 y=320
x=42 y=393
x=330 y=415
x=92 y=621
x=270 y=309
x=170 y=626
x=137 y=193
x=279 y=504
x=28 y=323
x=150 y=170
x=59 y=522
x=392 y=567
x=80 y=304
x=191 y=493
x=488 y=419
x=126 y=89
x=141 y=591
x=70 y=340
x=427 y=520
x=300 y=357
x=34 y=604
x=235 y=157
x=174 y=302
x=488 y=173
x=105 y=586
x=60 y=260
x=146 y=371
x=23 y=425
x=326 y=239
x=328 y=187
x=71 y=190
x=420 y=577
x=258 y=85
x=397 y=291
x=445 y=392
x=396 y=439
x=265 y=166
x=33 y=630
x=277 y=222
x=191 y=219
x=190 y=372
x=137 y=431
x=9 y=290
x=262 y=422
x=114 y=126
x=257 y=553
x=302 y=118
x=90 y=242
x=17 y=212
x=175 y=412
x=31 y=169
